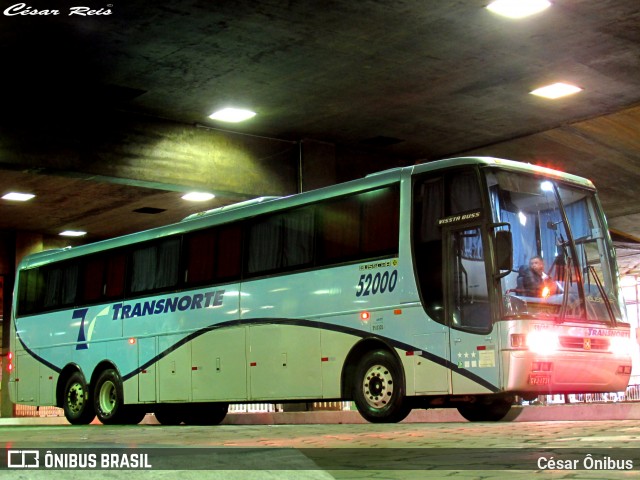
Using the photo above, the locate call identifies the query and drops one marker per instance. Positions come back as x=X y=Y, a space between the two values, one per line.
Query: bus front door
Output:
x=473 y=344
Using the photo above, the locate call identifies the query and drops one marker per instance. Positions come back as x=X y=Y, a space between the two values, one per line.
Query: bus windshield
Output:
x=563 y=261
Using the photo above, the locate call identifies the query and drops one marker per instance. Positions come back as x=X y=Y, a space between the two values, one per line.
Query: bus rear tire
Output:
x=379 y=392
x=491 y=412
x=108 y=400
x=76 y=403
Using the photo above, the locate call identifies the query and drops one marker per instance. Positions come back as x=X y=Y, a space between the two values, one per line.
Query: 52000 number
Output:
x=370 y=284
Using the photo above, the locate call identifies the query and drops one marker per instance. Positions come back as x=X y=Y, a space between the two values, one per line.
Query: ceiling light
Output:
x=518 y=8
x=198 y=196
x=18 y=197
x=556 y=90
x=233 y=115
x=72 y=233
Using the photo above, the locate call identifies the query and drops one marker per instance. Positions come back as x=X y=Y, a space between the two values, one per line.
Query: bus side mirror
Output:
x=503 y=250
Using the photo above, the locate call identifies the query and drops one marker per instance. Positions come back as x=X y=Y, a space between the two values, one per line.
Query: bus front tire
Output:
x=77 y=405
x=379 y=392
x=108 y=400
x=489 y=412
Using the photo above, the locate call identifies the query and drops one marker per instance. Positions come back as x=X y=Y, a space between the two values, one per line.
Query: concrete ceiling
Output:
x=415 y=80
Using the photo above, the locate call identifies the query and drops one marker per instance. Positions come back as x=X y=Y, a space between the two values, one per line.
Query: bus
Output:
x=398 y=291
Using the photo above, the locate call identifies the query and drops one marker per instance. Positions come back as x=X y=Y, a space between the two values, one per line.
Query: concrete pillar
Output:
x=317 y=165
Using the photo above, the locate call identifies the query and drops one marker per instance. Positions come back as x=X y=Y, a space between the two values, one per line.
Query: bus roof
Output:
x=253 y=207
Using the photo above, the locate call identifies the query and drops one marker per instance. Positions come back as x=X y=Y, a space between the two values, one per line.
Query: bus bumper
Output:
x=566 y=372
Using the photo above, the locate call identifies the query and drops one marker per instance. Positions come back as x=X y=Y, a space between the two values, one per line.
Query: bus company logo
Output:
x=197 y=301
x=23 y=459
x=459 y=218
x=22 y=9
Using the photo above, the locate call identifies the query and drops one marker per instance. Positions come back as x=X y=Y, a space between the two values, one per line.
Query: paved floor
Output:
x=408 y=450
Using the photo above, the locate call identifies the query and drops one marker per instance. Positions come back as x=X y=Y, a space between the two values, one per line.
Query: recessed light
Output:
x=556 y=90
x=72 y=233
x=233 y=115
x=518 y=8
x=198 y=196
x=18 y=197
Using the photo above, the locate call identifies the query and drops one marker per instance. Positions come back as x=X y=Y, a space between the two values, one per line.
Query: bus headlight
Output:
x=620 y=345
x=543 y=342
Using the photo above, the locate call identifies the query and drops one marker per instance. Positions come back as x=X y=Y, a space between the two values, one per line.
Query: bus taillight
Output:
x=10 y=362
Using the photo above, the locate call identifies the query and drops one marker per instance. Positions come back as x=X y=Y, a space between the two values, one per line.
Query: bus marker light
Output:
x=410 y=353
x=397 y=312
x=324 y=359
x=132 y=341
x=541 y=366
x=518 y=340
x=624 y=370
x=253 y=364
x=365 y=316
x=481 y=347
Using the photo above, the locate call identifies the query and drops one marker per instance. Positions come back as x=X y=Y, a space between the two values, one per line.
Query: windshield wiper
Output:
x=603 y=294
x=567 y=288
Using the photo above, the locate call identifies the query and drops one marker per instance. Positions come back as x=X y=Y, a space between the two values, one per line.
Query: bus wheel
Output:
x=108 y=399
x=379 y=390
x=168 y=415
x=76 y=404
x=491 y=412
x=208 y=414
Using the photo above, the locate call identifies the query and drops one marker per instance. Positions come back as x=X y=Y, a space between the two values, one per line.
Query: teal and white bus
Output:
x=401 y=290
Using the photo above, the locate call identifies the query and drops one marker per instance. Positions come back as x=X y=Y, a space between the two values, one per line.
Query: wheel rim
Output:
x=75 y=398
x=107 y=398
x=377 y=386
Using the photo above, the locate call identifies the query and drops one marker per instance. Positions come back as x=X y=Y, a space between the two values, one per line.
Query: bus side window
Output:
x=114 y=281
x=61 y=285
x=339 y=235
x=213 y=255
x=93 y=276
x=31 y=291
x=265 y=245
x=380 y=221
x=229 y=252
x=200 y=251
x=155 y=266
x=281 y=242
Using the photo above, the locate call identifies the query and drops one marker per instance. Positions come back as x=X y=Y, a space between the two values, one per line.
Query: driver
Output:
x=535 y=281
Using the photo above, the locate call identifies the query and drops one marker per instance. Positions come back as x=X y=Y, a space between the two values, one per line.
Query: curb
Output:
x=549 y=413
